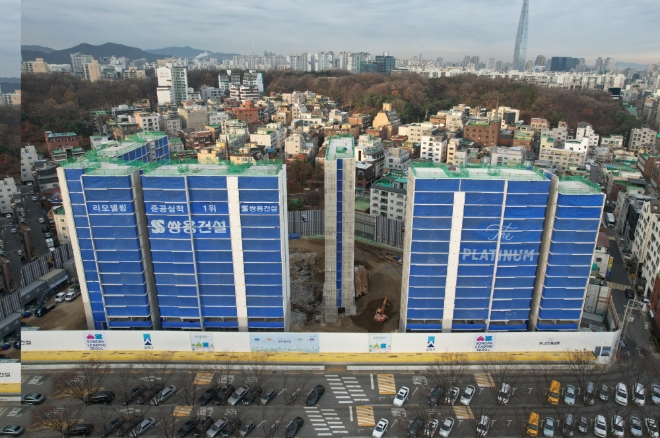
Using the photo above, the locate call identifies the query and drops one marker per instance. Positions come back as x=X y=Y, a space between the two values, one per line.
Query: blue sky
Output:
x=10 y=38
x=624 y=29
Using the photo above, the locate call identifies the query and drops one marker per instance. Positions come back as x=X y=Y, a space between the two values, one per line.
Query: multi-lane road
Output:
x=350 y=407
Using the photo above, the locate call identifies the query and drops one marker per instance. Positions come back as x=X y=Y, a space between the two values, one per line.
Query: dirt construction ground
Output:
x=65 y=316
x=307 y=259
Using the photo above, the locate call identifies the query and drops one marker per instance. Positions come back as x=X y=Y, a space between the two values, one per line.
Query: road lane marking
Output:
x=204 y=378
x=365 y=416
x=182 y=411
x=386 y=384
x=463 y=412
x=484 y=380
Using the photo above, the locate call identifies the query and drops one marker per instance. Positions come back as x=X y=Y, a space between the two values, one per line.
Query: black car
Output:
x=45 y=229
x=202 y=426
x=83 y=429
x=100 y=397
x=247 y=428
x=131 y=394
x=186 y=428
x=314 y=396
x=251 y=396
x=111 y=426
x=630 y=293
x=436 y=395
x=223 y=395
x=293 y=427
x=268 y=396
x=207 y=396
x=126 y=428
x=230 y=427
x=41 y=311
x=415 y=427
x=149 y=394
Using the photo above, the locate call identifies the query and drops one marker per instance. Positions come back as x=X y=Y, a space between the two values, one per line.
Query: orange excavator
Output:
x=380 y=316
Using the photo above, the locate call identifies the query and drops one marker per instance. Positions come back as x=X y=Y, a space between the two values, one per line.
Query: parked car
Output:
x=132 y=394
x=635 y=427
x=14 y=230
x=60 y=297
x=604 y=393
x=621 y=394
x=12 y=430
x=100 y=397
x=35 y=198
x=128 y=426
x=230 y=427
x=248 y=427
x=42 y=220
x=82 y=429
x=549 y=427
x=45 y=229
x=505 y=394
x=314 y=396
x=216 y=427
x=483 y=426
x=452 y=395
x=589 y=393
x=380 y=429
x=33 y=399
x=111 y=426
x=166 y=393
x=431 y=427
x=569 y=395
x=434 y=396
x=187 y=427
x=144 y=426
x=568 y=425
x=48 y=235
x=72 y=295
x=267 y=396
x=651 y=427
x=202 y=426
x=415 y=427
x=630 y=293
x=41 y=311
x=583 y=425
x=8 y=215
x=207 y=396
x=617 y=426
x=639 y=394
x=446 y=427
x=655 y=394
x=223 y=395
x=148 y=395
x=251 y=396
x=238 y=395
x=600 y=427
x=468 y=394
x=293 y=427
x=401 y=396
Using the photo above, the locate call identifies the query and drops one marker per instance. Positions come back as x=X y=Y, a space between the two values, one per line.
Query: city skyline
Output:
x=555 y=33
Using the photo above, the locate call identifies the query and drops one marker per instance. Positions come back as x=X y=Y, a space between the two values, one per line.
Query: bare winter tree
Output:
x=561 y=411
x=124 y=379
x=447 y=370
x=59 y=419
x=521 y=416
x=258 y=372
x=634 y=369
x=501 y=372
x=85 y=379
x=188 y=381
x=582 y=366
x=156 y=370
x=543 y=375
x=274 y=419
x=167 y=424
x=296 y=385
x=484 y=411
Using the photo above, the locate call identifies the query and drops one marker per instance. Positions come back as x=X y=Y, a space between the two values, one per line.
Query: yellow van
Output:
x=533 y=424
x=553 y=392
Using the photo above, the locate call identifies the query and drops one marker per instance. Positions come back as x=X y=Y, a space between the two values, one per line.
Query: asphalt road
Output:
x=351 y=403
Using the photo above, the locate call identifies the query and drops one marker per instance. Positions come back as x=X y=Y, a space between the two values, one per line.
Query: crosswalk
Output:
x=386 y=384
x=325 y=422
x=484 y=380
x=182 y=411
x=346 y=389
x=618 y=286
x=365 y=416
x=463 y=413
x=203 y=378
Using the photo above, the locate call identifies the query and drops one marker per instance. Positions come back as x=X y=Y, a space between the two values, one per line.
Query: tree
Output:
x=521 y=418
x=158 y=370
x=166 y=421
x=501 y=372
x=82 y=381
x=188 y=382
x=583 y=367
x=485 y=411
x=543 y=375
x=446 y=371
x=296 y=385
x=57 y=418
x=257 y=373
x=274 y=419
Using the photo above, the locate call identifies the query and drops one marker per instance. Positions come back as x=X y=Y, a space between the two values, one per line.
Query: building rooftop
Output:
x=577 y=185
x=341 y=146
x=193 y=167
x=477 y=171
x=60 y=134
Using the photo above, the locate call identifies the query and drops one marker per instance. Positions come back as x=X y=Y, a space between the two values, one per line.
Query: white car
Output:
x=617 y=426
x=549 y=427
x=569 y=395
x=446 y=427
x=35 y=198
x=431 y=428
x=452 y=395
x=600 y=427
x=42 y=220
x=621 y=394
x=505 y=394
x=14 y=230
x=60 y=297
x=639 y=394
x=655 y=394
x=467 y=395
x=635 y=427
x=401 y=396
x=380 y=428
x=71 y=295
x=483 y=426
x=652 y=427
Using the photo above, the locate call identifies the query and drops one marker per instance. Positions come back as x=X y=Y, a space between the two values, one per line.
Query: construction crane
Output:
x=380 y=316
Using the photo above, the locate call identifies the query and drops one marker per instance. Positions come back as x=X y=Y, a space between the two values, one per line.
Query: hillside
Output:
x=8 y=85
x=36 y=48
x=188 y=52
x=10 y=142
x=107 y=49
x=416 y=98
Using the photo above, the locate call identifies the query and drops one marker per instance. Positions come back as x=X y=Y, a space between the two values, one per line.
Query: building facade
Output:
x=388 y=196
x=28 y=157
x=640 y=137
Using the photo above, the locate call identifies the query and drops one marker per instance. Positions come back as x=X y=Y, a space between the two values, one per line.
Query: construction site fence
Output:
x=375 y=228
x=46 y=263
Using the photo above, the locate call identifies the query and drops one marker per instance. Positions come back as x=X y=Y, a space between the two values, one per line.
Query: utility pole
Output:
x=628 y=317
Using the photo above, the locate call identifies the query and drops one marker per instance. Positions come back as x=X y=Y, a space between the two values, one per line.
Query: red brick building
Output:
x=247 y=112
x=60 y=140
x=483 y=134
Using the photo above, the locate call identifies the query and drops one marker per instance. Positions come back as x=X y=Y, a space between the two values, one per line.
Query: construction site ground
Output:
x=65 y=316
x=307 y=290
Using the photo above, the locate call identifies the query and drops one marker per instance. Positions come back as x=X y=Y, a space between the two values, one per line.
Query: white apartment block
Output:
x=585 y=130
x=397 y=159
x=558 y=134
x=28 y=157
x=207 y=92
x=244 y=92
x=370 y=151
x=63 y=232
x=338 y=115
x=268 y=139
x=323 y=61
x=148 y=121
x=170 y=123
x=434 y=149
x=280 y=133
x=646 y=247
x=562 y=158
x=641 y=137
x=216 y=118
x=415 y=131
x=602 y=255
x=580 y=146
x=612 y=141
x=172 y=84
x=505 y=156
x=388 y=197
x=7 y=190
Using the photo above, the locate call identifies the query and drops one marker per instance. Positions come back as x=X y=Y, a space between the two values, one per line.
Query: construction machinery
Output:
x=380 y=316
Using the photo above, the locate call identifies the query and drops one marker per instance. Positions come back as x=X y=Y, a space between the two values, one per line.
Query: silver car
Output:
x=166 y=393
x=238 y=395
x=636 y=427
x=143 y=427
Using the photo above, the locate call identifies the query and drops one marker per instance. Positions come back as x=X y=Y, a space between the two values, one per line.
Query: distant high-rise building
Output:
x=599 y=64
x=491 y=64
x=498 y=66
x=475 y=60
x=77 y=61
x=520 y=51
x=323 y=60
x=385 y=63
x=172 y=84
x=439 y=59
x=529 y=65
x=466 y=61
x=609 y=64
x=540 y=60
x=563 y=63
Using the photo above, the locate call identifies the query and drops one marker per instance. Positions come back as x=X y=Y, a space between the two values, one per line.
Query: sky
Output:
x=10 y=38
x=626 y=30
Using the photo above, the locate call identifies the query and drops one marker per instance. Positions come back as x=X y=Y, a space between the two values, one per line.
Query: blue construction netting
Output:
x=578 y=213
x=429 y=259
x=481 y=186
x=520 y=293
x=424 y=314
x=524 y=212
x=572 y=248
x=574 y=236
x=569 y=315
x=528 y=187
x=473 y=292
x=562 y=292
x=432 y=211
x=522 y=282
x=430 y=247
x=257 y=182
x=437 y=185
x=432 y=223
x=576 y=224
x=427 y=281
x=471 y=313
x=565 y=281
x=426 y=292
x=527 y=200
x=423 y=327
x=468 y=327
x=595 y=200
x=493 y=211
x=484 y=198
x=431 y=198
x=432 y=271
x=568 y=271
x=208 y=182
x=431 y=235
